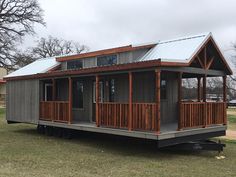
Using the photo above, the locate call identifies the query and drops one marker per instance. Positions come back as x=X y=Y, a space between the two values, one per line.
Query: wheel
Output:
x=57 y=132
x=66 y=134
x=49 y=131
x=41 y=129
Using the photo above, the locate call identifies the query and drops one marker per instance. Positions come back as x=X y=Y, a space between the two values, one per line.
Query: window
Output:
x=101 y=89
x=78 y=90
x=112 y=90
x=163 y=89
x=75 y=64
x=107 y=60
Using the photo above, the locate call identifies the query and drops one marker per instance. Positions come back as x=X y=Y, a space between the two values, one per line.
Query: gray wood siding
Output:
x=137 y=54
x=64 y=66
x=125 y=57
x=22 y=101
x=89 y=62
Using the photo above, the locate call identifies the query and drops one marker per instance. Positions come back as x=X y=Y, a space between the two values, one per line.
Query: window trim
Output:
x=82 y=61
x=117 y=59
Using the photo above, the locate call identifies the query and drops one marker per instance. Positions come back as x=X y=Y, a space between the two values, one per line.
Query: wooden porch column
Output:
x=53 y=98
x=204 y=100
x=70 y=100
x=180 y=123
x=158 y=99
x=130 y=101
x=97 y=101
x=204 y=88
x=224 y=89
x=225 y=99
x=199 y=89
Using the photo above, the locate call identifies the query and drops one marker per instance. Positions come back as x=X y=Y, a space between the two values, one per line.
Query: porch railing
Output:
x=201 y=114
x=54 y=111
x=116 y=115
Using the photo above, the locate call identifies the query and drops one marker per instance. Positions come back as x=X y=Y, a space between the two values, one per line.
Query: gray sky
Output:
x=110 y=23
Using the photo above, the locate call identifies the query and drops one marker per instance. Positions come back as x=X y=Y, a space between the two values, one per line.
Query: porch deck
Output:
x=168 y=133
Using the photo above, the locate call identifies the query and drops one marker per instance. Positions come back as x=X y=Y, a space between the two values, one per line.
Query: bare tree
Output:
x=52 y=46
x=17 y=18
x=47 y=47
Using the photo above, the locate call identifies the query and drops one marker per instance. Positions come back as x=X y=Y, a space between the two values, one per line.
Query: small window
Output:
x=112 y=90
x=78 y=99
x=107 y=60
x=76 y=64
x=163 y=89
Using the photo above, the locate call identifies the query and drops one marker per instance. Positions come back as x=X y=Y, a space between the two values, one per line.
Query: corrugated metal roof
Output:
x=176 y=50
x=38 y=66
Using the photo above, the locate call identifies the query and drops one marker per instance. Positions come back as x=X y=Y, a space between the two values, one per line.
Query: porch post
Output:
x=53 y=98
x=158 y=99
x=204 y=88
x=224 y=89
x=180 y=100
x=70 y=100
x=225 y=99
x=130 y=101
x=97 y=101
x=199 y=89
x=204 y=100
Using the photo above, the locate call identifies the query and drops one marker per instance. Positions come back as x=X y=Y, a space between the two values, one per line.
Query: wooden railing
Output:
x=201 y=114
x=116 y=115
x=144 y=116
x=54 y=111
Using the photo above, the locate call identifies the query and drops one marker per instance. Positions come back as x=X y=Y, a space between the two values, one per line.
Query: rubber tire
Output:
x=57 y=132
x=67 y=134
x=49 y=131
x=41 y=129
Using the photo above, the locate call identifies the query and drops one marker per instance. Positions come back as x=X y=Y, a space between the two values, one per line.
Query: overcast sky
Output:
x=110 y=23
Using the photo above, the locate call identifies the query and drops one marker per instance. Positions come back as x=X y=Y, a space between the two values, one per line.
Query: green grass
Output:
x=24 y=153
x=231 y=115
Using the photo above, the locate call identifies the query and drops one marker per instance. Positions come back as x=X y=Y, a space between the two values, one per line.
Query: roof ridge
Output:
x=184 y=38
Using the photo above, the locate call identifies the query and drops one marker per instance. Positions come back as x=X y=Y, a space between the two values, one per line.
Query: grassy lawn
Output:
x=23 y=152
x=231 y=114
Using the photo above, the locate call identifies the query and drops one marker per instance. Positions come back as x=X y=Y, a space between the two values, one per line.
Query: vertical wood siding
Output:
x=22 y=101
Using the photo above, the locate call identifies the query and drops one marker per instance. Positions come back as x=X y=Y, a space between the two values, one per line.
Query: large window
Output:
x=75 y=64
x=163 y=89
x=107 y=60
x=78 y=90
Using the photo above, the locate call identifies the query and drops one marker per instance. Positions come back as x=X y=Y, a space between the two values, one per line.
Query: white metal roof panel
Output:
x=38 y=66
x=177 y=50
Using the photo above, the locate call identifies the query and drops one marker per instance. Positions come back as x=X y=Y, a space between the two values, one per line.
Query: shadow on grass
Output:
x=119 y=144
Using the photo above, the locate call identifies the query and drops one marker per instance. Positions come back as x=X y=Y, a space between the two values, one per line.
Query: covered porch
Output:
x=146 y=101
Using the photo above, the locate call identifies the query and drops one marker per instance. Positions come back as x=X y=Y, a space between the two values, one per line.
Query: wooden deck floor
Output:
x=169 y=131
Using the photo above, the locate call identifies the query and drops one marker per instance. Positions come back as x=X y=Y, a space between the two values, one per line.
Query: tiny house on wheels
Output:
x=133 y=91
